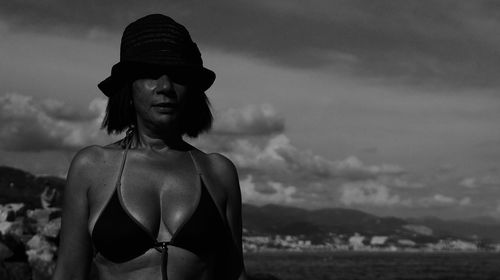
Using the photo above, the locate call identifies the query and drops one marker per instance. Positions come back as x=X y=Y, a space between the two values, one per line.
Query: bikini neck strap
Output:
x=129 y=138
x=127 y=143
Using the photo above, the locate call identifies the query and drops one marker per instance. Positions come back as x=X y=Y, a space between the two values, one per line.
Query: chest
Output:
x=160 y=193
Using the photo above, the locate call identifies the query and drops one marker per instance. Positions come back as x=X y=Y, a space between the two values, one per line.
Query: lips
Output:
x=166 y=104
x=165 y=107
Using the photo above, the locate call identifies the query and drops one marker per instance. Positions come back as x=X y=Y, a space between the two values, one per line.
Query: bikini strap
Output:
x=128 y=141
x=194 y=162
x=163 y=249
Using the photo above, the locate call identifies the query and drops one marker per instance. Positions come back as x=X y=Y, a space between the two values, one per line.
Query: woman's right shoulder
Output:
x=92 y=157
x=89 y=162
x=88 y=156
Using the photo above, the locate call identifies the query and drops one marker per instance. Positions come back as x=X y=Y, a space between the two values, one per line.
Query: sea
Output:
x=373 y=265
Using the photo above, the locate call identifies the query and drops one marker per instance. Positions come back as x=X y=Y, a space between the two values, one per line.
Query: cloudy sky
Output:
x=392 y=107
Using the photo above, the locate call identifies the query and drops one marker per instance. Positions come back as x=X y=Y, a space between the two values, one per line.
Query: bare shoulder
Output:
x=225 y=170
x=85 y=165
x=221 y=164
x=88 y=157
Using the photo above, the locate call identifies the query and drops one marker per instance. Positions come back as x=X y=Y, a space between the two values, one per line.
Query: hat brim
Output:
x=123 y=72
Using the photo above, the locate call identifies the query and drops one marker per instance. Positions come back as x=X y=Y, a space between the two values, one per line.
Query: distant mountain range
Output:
x=19 y=186
x=483 y=228
x=276 y=219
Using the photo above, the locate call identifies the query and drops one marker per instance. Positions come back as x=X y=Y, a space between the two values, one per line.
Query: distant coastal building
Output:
x=378 y=240
x=453 y=245
x=406 y=243
x=356 y=242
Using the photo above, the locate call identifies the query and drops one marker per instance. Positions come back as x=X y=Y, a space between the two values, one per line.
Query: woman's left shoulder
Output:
x=224 y=170
x=221 y=164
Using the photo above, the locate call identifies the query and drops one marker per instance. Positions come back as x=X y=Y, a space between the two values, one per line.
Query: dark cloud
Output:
x=370 y=193
x=250 y=120
x=62 y=111
x=265 y=189
x=27 y=125
x=24 y=125
x=436 y=42
x=264 y=192
x=274 y=157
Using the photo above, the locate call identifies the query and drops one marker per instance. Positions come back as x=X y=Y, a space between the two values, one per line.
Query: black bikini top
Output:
x=119 y=237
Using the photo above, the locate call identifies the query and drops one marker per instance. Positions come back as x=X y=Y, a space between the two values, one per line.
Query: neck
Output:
x=167 y=139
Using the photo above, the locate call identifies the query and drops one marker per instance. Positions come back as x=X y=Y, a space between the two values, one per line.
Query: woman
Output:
x=151 y=206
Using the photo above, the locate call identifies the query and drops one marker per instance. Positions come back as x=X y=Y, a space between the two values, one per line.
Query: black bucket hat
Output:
x=157 y=42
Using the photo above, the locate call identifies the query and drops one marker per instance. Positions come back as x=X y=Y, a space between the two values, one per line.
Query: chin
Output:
x=167 y=121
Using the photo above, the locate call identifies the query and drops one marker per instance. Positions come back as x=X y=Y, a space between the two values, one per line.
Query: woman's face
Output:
x=159 y=100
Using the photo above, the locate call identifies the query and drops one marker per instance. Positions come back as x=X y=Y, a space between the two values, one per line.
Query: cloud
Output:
x=468 y=183
x=30 y=125
x=440 y=200
x=482 y=181
x=399 y=182
x=276 y=155
x=369 y=193
x=436 y=41
x=445 y=169
x=353 y=168
x=464 y=201
x=491 y=180
x=373 y=193
x=497 y=212
x=250 y=120
x=249 y=154
x=272 y=157
x=62 y=111
x=280 y=193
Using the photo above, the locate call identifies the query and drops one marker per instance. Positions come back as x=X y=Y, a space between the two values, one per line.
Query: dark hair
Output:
x=120 y=113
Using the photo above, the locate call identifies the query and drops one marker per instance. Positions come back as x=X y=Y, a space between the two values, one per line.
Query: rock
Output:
x=7 y=214
x=42 y=270
x=18 y=208
x=49 y=197
x=37 y=242
x=10 y=211
x=5 y=227
x=55 y=213
x=12 y=228
x=5 y=252
x=17 y=246
x=40 y=249
x=41 y=216
x=41 y=257
x=52 y=228
x=42 y=263
x=44 y=255
x=18 y=271
x=4 y=274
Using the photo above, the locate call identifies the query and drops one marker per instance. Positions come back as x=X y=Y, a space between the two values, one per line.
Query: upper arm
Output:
x=75 y=249
x=228 y=176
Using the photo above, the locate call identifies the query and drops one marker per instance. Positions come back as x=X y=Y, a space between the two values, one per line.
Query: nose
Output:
x=164 y=84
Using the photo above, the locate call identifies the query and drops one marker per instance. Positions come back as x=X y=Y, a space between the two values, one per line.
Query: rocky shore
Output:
x=28 y=241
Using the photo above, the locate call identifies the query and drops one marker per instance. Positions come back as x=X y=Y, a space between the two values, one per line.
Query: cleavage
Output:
x=158 y=191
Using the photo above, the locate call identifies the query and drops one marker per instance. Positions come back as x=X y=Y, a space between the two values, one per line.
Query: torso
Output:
x=161 y=192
